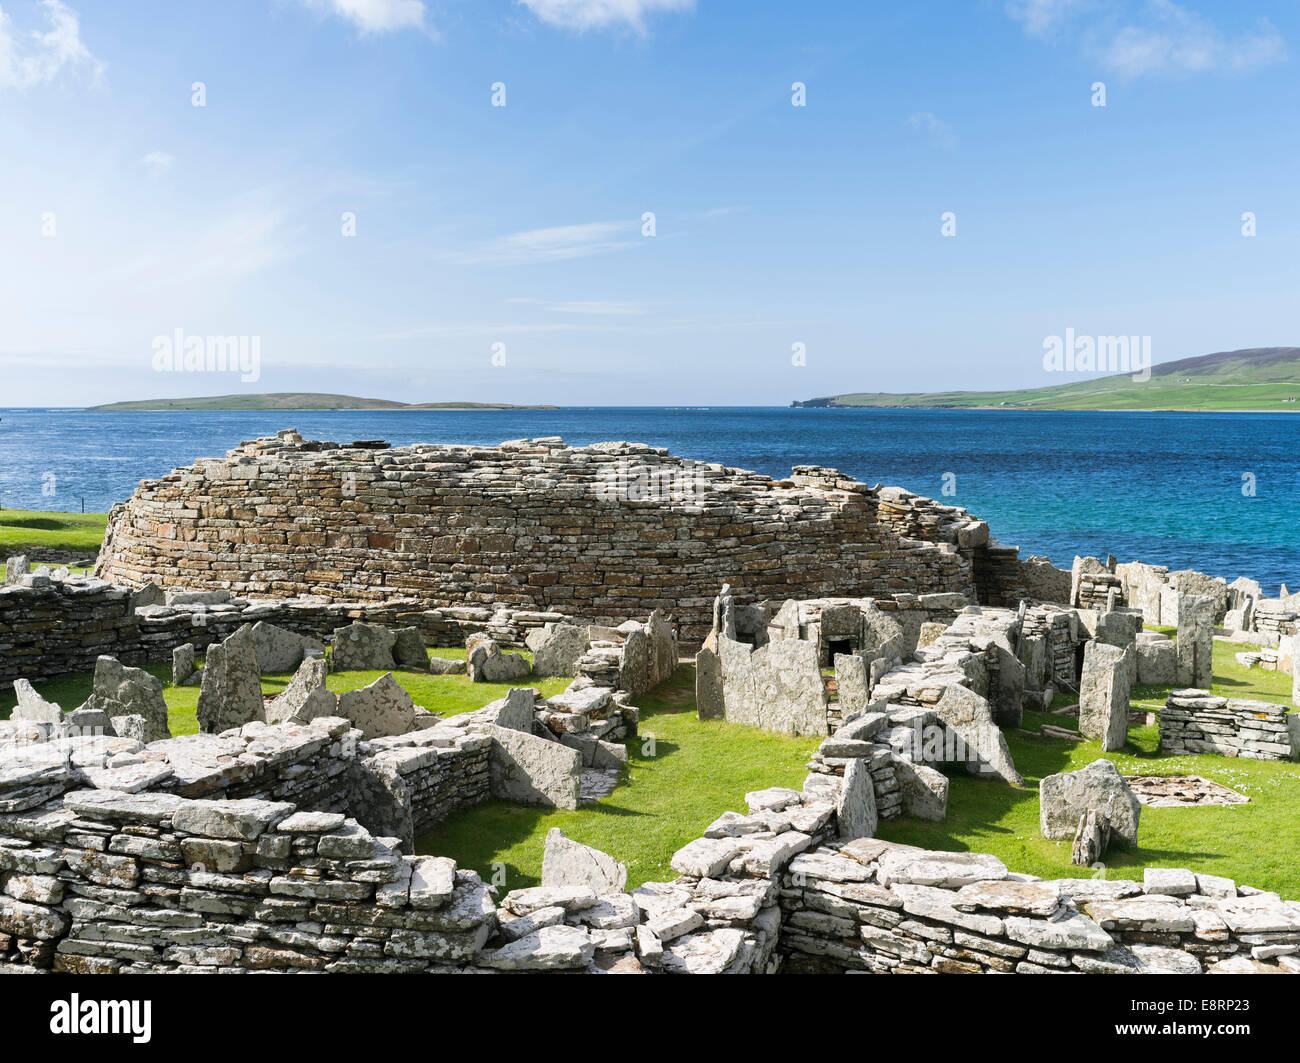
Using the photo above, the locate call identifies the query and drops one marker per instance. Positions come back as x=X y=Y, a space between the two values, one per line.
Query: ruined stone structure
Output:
x=596 y=532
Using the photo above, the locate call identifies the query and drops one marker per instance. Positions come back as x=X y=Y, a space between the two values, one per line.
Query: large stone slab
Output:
x=556 y=649
x=1103 y=695
x=851 y=684
x=362 y=648
x=777 y=687
x=855 y=808
x=306 y=697
x=1064 y=798
x=280 y=650
x=231 y=694
x=971 y=717
x=1195 y=640
x=123 y=691
x=569 y=863
x=380 y=709
x=533 y=771
x=486 y=663
x=32 y=708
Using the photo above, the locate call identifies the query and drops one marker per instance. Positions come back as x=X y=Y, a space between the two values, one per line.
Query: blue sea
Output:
x=1213 y=491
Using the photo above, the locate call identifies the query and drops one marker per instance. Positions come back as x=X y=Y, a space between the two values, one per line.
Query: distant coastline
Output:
x=1255 y=380
x=294 y=401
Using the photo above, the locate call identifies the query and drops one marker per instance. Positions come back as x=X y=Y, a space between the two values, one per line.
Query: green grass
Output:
x=31 y=531
x=695 y=771
x=448 y=695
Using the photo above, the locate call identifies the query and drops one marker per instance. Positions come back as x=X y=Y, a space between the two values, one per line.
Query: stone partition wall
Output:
x=1196 y=721
x=597 y=532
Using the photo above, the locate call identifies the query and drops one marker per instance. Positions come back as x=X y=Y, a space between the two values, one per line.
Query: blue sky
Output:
x=127 y=213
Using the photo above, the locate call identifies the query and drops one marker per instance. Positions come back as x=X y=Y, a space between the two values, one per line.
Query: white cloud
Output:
x=157 y=162
x=939 y=132
x=584 y=15
x=1172 y=39
x=32 y=58
x=1155 y=37
x=588 y=307
x=1042 y=17
x=555 y=244
x=375 y=16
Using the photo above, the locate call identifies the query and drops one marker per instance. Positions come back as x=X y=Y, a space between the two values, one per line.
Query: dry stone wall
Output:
x=597 y=532
x=50 y=627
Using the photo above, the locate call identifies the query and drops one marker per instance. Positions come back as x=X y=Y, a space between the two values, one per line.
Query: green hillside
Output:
x=1261 y=378
x=297 y=400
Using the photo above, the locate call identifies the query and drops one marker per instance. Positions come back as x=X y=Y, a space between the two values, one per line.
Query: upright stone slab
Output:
x=971 y=717
x=123 y=691
x=231 y=694
x=16 y=568
x=708 y=686
x=409 y=650
x=32 y=708
x=556 y=649
x=1103 y=695
x=569 y=863
x=663 y=648
x=306 y=697
x=1120 y=628
x=634 y=673
x=1195 y=640
x=380 y=710
x=280 y=650
x=184 y=671
x=777 y=687
x=362 y=648
x=1064 y=798
x=529 y=770
x=486 y=663
x=851 y=684
x=855 y=807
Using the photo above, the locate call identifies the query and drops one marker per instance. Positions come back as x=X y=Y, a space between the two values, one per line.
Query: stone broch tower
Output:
x=601 y=532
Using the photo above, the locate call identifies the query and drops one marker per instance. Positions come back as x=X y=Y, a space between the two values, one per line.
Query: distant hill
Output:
x=1260 y=378
x=298 y=400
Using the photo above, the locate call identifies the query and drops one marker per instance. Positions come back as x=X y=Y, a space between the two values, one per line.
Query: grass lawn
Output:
x=672 y=790
x=29 y=531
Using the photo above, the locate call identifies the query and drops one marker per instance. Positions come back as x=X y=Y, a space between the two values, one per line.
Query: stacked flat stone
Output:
x=1196 y=721
x=872 y=905
x=101 y=880
x=282 y=516
x=51 y=627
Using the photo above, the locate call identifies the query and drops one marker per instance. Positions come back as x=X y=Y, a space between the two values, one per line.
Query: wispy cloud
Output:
x=585 y=15
x=376 y=16
x=555 y=244
x=939 y=132
x=589 y=307
x=157 y=163
x=1155 y=37
x=32 y=58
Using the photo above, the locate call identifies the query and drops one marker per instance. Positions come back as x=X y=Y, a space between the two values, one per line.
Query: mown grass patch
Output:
x=683 y=773
x=31 y=531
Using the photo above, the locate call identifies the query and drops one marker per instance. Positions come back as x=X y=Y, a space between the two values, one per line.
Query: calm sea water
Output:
x=1166 y=488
